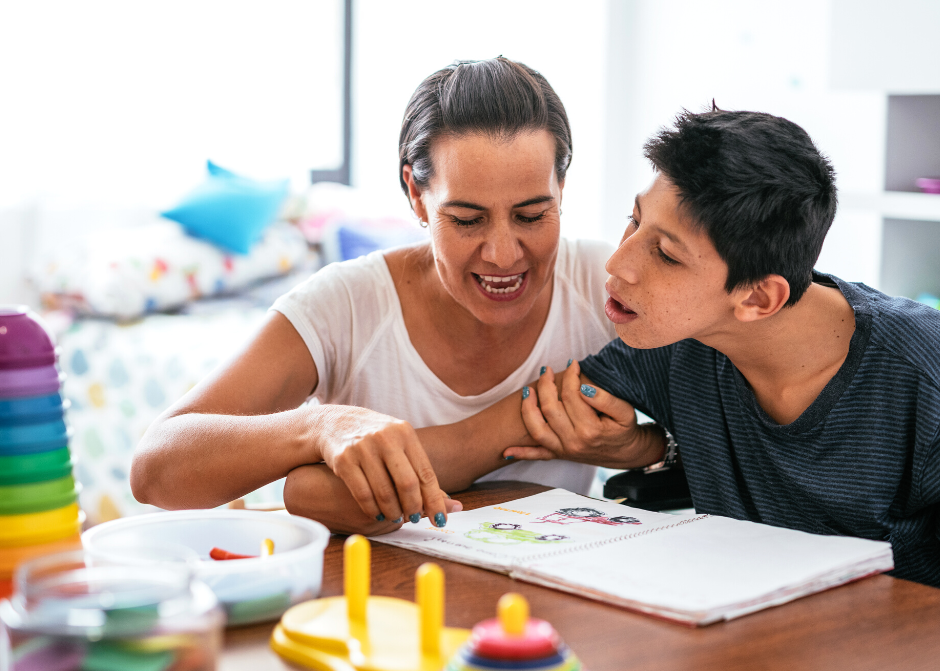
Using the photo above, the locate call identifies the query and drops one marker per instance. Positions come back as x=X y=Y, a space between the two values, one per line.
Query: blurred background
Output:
x=111 y=109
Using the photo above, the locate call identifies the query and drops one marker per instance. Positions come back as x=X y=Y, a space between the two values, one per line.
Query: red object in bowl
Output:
x=24 y=341
x=928 y=184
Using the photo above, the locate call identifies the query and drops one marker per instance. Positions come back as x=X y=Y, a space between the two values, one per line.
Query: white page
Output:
x=692 y=568
x=713 y=569
x=497 y=537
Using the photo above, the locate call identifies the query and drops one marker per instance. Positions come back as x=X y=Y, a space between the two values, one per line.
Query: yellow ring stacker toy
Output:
x=44 y=527
x=359 y=632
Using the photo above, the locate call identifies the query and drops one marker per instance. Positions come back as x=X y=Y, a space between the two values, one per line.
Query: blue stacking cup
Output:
x=32 y=409
x=33 y=438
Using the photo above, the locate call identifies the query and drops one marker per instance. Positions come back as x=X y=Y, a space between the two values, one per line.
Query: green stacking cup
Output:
x=38 y=496
x=22 y=469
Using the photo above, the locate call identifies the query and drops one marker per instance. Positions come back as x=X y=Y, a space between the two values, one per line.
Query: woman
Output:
x=414 y=337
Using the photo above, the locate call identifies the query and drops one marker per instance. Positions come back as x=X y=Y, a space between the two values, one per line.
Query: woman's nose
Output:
x=501 y=248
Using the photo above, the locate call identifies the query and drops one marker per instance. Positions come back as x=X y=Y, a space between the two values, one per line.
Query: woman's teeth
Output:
x=498 y=285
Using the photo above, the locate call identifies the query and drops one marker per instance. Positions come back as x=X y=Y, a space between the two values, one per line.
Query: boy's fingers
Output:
x=528 y=454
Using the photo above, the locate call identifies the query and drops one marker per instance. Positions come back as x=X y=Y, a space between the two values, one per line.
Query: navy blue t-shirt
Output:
x=862 y=460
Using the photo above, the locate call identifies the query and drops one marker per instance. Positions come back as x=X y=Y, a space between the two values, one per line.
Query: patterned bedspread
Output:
x=120 y=377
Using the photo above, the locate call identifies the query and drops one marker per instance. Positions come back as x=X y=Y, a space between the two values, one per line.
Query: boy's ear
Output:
x=414 y=193
x=762 y=299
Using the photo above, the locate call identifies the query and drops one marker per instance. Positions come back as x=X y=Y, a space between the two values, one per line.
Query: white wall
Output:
x=768 y=56
x=397 y=45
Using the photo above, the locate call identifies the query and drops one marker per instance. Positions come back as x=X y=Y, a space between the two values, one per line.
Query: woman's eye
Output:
x=466 y=222
x=531 y=220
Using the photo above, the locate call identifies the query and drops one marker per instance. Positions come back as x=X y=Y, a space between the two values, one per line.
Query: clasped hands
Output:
x=383 y=464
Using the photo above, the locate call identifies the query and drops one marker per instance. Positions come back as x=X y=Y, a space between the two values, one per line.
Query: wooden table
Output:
x=878 y=623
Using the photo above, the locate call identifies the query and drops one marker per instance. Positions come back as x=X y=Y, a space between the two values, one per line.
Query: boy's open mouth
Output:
x=617 y=312
x=500 y=285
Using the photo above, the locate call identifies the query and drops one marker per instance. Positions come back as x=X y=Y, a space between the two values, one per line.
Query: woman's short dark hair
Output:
x=757 y=185
x=496 y=97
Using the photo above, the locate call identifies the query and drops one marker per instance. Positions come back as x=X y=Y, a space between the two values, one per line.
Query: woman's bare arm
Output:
x=238 y=429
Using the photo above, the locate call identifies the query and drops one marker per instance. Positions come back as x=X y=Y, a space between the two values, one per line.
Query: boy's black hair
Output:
x=757 y=185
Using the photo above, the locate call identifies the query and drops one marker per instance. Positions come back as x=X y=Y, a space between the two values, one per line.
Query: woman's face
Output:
x=493 y=210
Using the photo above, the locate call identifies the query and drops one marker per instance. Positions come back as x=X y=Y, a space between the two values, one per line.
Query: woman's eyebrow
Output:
x=473 y=206
x=535 y=201
x=464 y=204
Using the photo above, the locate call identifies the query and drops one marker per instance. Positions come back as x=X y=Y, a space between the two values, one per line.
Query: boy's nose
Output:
x=623 y=263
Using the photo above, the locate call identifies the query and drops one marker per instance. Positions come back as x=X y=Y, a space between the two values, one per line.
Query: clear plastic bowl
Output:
x=68 y=615
x=250 y=590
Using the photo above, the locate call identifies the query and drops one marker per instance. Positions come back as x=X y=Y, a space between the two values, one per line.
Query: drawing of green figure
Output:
x=506 y=533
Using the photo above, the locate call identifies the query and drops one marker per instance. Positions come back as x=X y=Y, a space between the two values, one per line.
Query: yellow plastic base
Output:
x=317 y=634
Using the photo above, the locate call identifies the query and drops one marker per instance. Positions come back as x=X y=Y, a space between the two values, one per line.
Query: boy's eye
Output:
x=666 y=259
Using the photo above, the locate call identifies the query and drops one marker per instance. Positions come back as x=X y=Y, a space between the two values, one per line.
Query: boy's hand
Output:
x=582 y=423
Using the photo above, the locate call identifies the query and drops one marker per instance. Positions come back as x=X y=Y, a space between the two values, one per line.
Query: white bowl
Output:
x=250 y=590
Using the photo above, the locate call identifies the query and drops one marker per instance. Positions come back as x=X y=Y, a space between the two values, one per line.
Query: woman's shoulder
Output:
x=356 y=284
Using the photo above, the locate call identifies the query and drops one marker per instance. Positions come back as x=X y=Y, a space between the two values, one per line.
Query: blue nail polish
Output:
x=509 y=458
x=398 y=520
x=414 y=518
x=380 y=517
x=439 y=520
x=569 y=363
x=588 y=390
x=525 y=392
x=542 y=372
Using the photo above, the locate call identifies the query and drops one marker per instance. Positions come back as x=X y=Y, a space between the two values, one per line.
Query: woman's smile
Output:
x=502 y=287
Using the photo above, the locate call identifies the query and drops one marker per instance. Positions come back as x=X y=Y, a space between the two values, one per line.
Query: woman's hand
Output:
x=583 y=423
x=382 y=463
x=315 y=492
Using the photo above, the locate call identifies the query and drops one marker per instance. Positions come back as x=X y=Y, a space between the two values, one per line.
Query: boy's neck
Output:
x=788 y=359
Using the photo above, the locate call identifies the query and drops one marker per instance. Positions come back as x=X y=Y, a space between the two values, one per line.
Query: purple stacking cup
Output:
x=27 y=355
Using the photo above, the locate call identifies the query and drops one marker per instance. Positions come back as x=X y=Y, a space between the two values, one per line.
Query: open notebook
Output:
x=695 y=569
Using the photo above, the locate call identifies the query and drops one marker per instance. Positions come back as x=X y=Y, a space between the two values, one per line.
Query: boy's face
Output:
x=667 y=282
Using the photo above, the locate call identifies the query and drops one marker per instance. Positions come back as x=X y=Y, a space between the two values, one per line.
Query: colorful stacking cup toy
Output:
x=32 y=409
x=22 y=469
x=514 y=641
x=38 y=496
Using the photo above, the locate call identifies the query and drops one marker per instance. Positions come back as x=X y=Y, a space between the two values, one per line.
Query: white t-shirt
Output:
x=350 y=318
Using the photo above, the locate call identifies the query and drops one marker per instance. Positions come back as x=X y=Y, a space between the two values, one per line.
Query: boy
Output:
x=798 y=400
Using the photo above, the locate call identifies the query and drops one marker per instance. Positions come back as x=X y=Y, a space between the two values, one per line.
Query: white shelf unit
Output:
x=910 y=243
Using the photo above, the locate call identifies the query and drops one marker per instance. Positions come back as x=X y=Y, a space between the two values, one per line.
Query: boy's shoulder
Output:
x=900 y=327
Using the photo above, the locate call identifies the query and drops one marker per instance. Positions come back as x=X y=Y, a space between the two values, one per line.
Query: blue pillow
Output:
x=229 y=210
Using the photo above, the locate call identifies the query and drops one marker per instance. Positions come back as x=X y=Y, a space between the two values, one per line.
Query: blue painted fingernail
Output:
x=439 y=520
x=569 y=362
x=380 y=517
x=525 y=392
x=588 y=390
x=414 y=518
x=542 y=372
x=510 y=458
x=398 y=520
